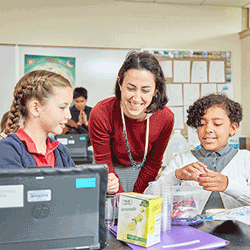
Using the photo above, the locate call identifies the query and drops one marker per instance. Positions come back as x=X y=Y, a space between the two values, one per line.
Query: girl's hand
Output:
x=113 y=184
x=191 y=172
x=213 y=181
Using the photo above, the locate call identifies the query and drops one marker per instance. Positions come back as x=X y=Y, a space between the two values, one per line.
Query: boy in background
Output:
x=80 y=112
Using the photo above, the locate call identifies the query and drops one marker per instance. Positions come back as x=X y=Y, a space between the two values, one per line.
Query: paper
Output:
x=199 y=72
x=167 y=68
x=185 y=113
x=208 y=89
x=217 y=71
x=11 y=196
x=241 y=214
x=178 y=117
x=226 y=89
x=191 y=93
x=182 y=235
x=181 y=71
x=174 y=92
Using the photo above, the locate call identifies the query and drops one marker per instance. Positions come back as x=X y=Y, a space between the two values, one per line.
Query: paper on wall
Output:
x=217 y=71
x=181 y=71
x=174 y=92
x=178 y=117
x=226 y=89
x=208 y=89
x=167 y=68
x=199 y=72
x=191 y=93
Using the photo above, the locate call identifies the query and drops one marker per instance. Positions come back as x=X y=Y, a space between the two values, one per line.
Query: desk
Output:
x=236 y=232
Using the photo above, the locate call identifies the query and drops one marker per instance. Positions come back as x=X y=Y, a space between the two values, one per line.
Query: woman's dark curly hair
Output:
x=198 y=109
x=145 y=61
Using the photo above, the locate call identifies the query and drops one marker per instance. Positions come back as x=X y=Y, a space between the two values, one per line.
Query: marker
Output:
x=182 y=244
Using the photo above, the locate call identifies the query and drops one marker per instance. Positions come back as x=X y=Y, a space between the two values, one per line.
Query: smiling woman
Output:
x=130 y=132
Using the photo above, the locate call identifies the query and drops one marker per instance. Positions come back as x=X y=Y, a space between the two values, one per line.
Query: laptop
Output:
x=53 y=208
x=77 y=144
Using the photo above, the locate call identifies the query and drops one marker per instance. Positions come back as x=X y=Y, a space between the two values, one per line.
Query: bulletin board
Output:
x=191 y=75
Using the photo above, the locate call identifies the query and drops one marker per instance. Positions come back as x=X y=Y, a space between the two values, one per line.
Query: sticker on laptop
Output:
x=71 y=141
x=64 y=141
x=39 y=195
x=85 y=182
x=11 y=196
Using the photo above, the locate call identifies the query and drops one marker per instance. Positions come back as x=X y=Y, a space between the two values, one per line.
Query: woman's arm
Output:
x=100 y=135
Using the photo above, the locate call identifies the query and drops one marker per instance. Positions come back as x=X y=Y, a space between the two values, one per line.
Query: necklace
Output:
x=140 y=164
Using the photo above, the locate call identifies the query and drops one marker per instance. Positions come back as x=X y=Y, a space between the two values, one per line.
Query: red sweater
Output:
x=106 y=134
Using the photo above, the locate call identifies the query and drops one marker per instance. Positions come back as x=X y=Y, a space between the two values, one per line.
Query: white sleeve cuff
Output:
x=171 y=178
x=234 y=188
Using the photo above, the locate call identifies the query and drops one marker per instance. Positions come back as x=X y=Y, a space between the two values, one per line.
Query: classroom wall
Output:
x=245 y=88
x=115 y=24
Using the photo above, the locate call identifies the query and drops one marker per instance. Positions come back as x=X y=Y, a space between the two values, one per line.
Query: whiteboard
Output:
x=96 y=69
x=7 y=77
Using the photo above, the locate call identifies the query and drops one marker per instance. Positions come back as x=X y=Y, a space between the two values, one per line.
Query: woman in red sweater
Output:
x=130 y=132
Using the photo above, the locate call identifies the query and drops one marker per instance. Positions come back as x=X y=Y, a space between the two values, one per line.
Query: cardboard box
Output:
x=139 y=219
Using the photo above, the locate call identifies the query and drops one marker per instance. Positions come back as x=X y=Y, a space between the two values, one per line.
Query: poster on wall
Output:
x=61 y=65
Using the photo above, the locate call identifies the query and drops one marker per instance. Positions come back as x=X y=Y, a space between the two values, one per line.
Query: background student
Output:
x=80 y=113
x=222 y=172
x=130 y=132
x=42 y=99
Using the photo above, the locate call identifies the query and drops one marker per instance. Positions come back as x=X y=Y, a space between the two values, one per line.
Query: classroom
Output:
x=99 y=34
x=131 y=25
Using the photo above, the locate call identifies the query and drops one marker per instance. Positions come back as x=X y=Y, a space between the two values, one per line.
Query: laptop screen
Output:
x=77 y=144
x=53 y=208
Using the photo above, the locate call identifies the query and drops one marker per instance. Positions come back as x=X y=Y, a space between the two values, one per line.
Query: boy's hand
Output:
x=84 y=118
x=213 y=181
x=191 y=172
x=113 y=184
x=72 y=124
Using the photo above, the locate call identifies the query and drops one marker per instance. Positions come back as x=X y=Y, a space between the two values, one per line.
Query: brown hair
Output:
x=38 y=84
x=145 y=61
x=4 y=121
x=198 y=109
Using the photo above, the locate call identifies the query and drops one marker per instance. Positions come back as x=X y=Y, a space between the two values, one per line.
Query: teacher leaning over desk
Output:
x=130 y=132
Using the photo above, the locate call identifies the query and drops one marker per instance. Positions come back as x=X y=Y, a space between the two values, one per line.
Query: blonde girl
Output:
x=42 y=100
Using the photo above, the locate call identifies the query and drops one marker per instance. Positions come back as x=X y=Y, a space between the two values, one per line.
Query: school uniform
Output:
x=18 y=151
x=237 y=170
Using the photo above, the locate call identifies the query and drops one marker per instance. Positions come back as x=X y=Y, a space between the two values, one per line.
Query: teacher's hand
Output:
x=113 y=184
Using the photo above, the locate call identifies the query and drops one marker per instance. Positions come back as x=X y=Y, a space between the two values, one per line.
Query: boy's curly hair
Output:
x=198 y=109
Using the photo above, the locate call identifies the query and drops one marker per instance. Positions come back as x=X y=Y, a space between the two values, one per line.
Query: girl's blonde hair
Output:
x=38 y=84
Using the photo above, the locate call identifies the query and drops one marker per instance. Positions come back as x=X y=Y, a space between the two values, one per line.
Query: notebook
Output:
x=77 y=144
x=53 y=208
x=182 y=238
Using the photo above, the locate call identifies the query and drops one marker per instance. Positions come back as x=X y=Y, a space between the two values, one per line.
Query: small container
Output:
x=167 y=205
x=177 y=144
x=185 y=205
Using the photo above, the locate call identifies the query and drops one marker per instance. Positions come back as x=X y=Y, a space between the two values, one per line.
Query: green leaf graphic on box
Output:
x=144 y=203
